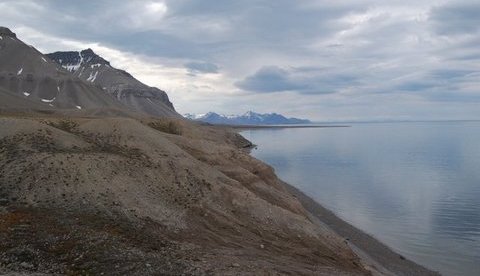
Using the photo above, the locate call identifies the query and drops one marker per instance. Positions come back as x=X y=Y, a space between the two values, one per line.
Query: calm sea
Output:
x=414 y=186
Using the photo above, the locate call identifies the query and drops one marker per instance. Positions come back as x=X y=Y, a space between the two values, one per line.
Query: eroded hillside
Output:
x=124 y=196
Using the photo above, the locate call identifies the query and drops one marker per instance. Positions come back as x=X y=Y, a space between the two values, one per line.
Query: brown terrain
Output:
x=125 y=196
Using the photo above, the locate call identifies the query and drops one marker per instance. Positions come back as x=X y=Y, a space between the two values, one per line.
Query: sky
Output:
x=322 y=60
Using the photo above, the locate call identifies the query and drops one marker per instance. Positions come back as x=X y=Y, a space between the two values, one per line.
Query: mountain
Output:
x=30 y=80
x=92 y=68
x=249 y=118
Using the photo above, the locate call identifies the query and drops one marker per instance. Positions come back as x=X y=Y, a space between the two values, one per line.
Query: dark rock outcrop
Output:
x=7 y=32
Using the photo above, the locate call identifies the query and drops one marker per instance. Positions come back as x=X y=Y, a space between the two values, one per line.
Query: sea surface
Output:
x=413 y=186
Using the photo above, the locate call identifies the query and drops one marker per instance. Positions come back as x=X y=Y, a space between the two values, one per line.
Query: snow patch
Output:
x=150 y=101
x=48 y=101
x=44 y=60
x=95 y=65
x=71 y=67
x=81 y=71
x=1 y=37
x=58 y=88
x=20 y=71
x=74 y=67
x=26 y=94
x=78 y=107
x=81 y=58
x=92 y=77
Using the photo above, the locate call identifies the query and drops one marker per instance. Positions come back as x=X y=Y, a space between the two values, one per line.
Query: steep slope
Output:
x=249 y=118
x=27 y=73
x=94 y=69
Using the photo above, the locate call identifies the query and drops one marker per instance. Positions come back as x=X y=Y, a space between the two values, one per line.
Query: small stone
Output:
x=26 y=265
x=262 y=246
x=148 y=265
x=236 y=265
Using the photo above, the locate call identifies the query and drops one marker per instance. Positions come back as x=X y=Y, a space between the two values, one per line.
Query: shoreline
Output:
x=244 y=127
x=375 y=255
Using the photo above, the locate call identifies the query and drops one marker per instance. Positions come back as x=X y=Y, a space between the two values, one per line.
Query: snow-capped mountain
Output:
x=92 y=68
x=31 y=80
x=249 y=118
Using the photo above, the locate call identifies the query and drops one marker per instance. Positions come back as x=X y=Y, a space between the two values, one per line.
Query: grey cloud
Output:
x=304 y=80
x=456 y=18
x=201 y=67
x=270 y=79
x=415 y=86
x=448 y=74
x=190 y=28
x=443 y=85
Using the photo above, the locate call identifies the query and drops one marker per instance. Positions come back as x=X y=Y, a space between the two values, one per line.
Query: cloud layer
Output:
x=343 y=60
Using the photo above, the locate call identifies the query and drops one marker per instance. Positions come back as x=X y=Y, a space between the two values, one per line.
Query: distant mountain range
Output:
x=249 y=118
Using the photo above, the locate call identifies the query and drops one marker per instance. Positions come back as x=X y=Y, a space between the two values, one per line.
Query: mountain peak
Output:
x=89 y=56
x=73 y=60
x=88 y=51
x=4 y=31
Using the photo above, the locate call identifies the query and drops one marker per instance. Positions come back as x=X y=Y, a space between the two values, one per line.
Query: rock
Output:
x=235 y=265
x=7 y=32
x=26 y=265
x=262 y=246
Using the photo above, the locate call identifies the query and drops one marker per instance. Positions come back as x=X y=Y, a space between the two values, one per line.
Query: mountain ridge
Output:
x=30 y=80
x=248 y=118
x=91 y=67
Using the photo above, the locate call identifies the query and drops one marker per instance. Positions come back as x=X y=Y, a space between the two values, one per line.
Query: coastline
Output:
x=244 y=127
x=375 y=255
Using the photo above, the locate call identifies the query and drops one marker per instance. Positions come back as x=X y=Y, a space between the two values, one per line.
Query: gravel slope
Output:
x=151 y=196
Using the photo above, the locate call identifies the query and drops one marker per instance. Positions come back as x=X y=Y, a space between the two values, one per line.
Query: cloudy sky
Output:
x=323 y=60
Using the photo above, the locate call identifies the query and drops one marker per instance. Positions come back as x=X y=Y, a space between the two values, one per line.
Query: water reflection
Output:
x=415 y=186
